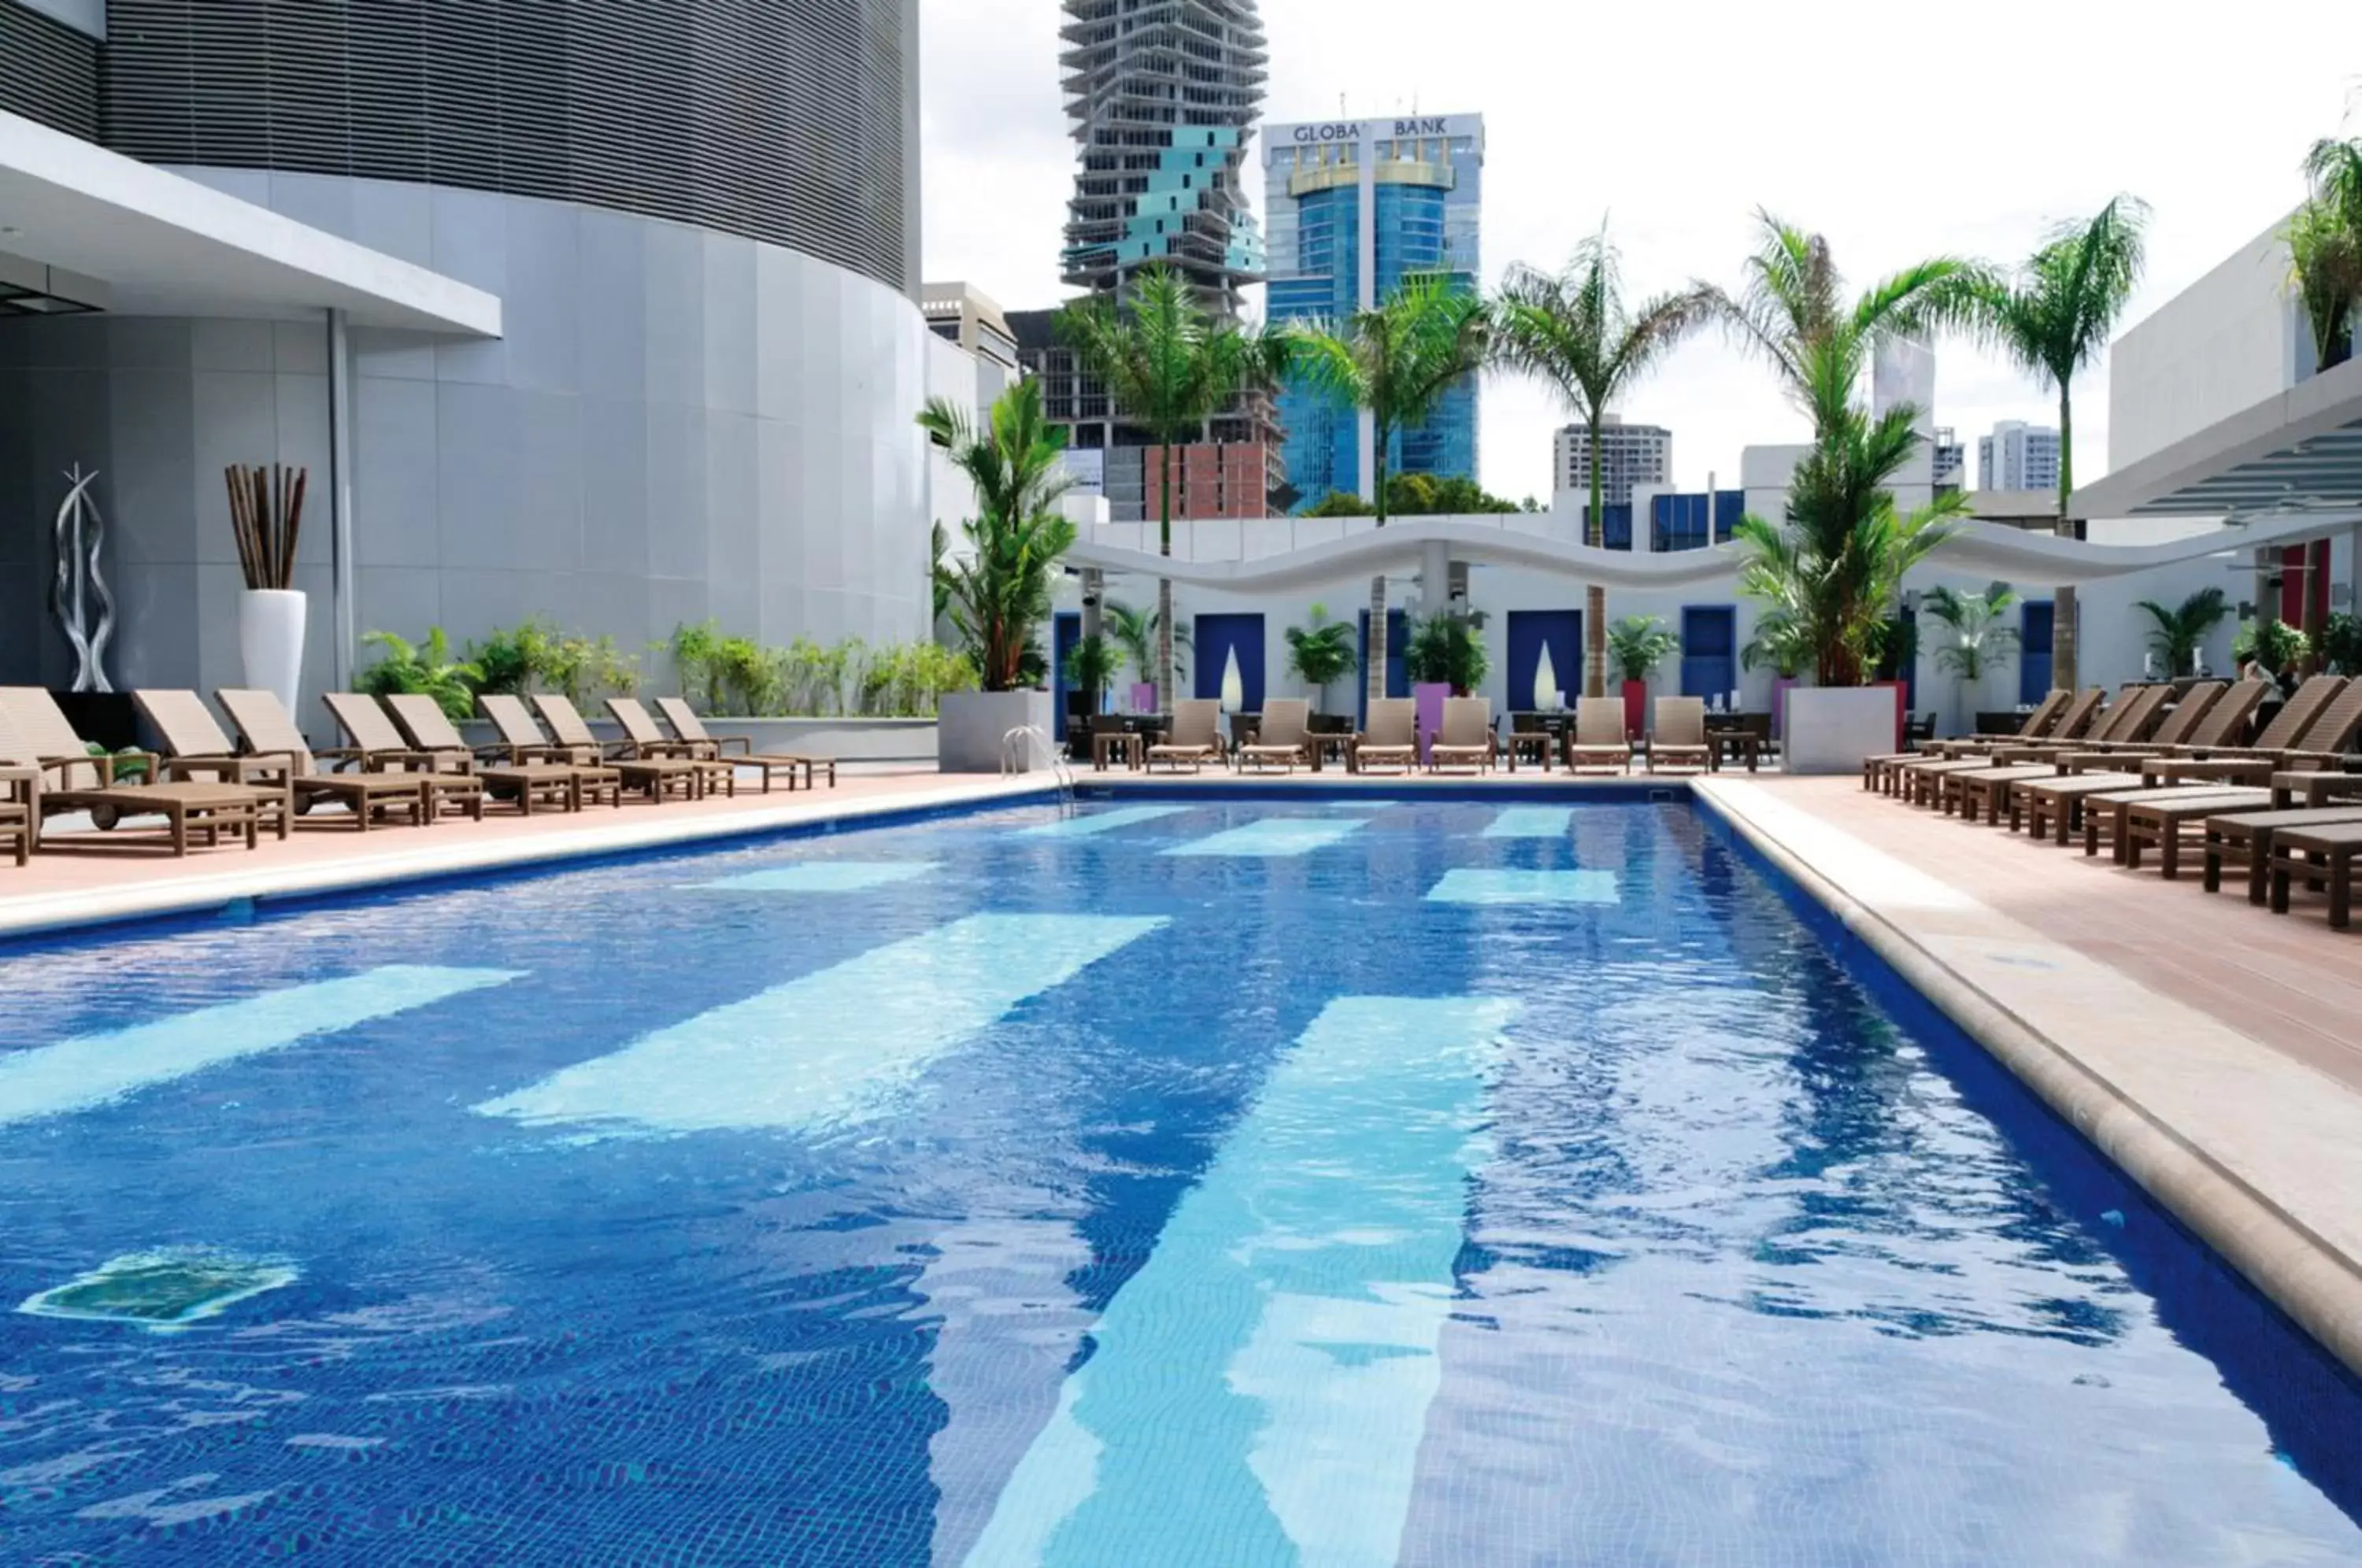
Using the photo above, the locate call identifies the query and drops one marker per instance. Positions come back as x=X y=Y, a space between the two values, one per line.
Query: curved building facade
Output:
x=699 y=220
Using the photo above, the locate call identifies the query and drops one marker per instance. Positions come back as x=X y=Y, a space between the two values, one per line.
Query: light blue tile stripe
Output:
x=823 y=876
x=1532 y=822
x=1096 y=822
x=92 y=1069
x=1273 y=837
x=1508 y=885
x=1259 y=1389
x=832 y=1047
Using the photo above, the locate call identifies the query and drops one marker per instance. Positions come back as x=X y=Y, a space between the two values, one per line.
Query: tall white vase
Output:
x=270 y=637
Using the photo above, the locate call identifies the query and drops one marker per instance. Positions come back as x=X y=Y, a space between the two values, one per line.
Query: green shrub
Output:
x=426 y=668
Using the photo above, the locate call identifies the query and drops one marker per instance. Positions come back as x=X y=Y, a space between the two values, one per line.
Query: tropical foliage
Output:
x=1396 y=360
x=1135 y=632
x=1422 y=495
x=1979 y=637
x=1574 y=331
x=2340 y=645
x=422 y=667
x=1092 y=665
x=1448 y=649
x=998 y=591
x=733 y=675
x=2324 y=241
x=2181 y=630
x=2277 y=647
x=1169 y=366
x=1638 y=644
x=1322 y=653
x=1778 y=643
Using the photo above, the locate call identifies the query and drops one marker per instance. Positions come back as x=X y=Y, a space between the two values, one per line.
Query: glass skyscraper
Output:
x=1351 y=208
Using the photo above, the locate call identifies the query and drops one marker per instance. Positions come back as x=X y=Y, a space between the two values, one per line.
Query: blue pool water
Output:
x=1210 y=1182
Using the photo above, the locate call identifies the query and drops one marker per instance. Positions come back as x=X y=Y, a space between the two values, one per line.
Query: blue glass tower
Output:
x=1352 y=208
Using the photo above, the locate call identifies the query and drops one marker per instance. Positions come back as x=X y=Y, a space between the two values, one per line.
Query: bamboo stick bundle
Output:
x=266 y=516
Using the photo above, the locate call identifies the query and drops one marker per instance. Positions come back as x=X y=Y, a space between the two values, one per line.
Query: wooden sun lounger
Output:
x=17 y=785
x=645 y=740
x=656 y=776
x=2312 y=791
x=270 y=730
x=567 y=784
x=2323 y=853
x=1466 y=738
x=1285 y=739
x=2323 y=743
x=1877 y=771
x=379 y=748
x=1196 y=739
x=1391 y=739
x=49 y=771
x=2103 y=815
x=2246 y=839
x=522 y=741
x=2210 y=714
x=690 y=729
x=1985 y=791
x=372 y=732
x=1598 y=743
x=1917 y=781
x=1679 y=739
x=2163 y=824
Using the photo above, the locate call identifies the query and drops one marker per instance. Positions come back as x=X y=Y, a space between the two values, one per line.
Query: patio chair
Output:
x=49 y=771
x=1390 y=738
x=655 y=776
x=1917 y=781
x=649 y=741
x=1286 y=738
x=1598 y=742
x=687 y=727
x=1466 y=738
x=567 y=784
x=269 y=729
x=1878 y=772
x=1196 y=737
x=1679 y=740
x=2207 y=711
x=2323 y=743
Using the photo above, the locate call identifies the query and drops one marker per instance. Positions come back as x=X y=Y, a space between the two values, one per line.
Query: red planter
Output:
x=1636 y=709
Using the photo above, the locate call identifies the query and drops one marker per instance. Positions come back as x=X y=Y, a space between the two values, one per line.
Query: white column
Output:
x=1434 y=578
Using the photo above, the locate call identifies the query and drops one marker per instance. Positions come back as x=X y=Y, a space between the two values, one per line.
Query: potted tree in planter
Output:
x=1321 y=654
x=1444 y=657
x=1091 y=667
x=1635 y=646
x=1978 y=637
x=2180 y=633
x=1778 y=645
x=998 y=591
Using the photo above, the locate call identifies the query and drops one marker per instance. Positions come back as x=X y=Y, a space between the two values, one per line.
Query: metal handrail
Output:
x=1015 y=747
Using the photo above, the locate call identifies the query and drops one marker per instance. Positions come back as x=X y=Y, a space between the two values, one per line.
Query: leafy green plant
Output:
x=1169 y=366
x=2275 y=645
x=1339 y=504
x=1396 y=360
x=1448 y=649
x=1001 y=591
x=1135 y=632
x=130 y=763
x=1638 y=644
x=1979 y=637
x=1323 y=652
x=2324 y=241
x=1092 y=665
x=510 y=661
x=1778 y=643
x=2181 y=631
x=426 y=668
x=696 y=652
x=1575 y=332
x=2341 y=643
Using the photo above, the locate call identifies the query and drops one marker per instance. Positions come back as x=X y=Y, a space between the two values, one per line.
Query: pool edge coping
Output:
x=35 y=915
x=2316 y=1283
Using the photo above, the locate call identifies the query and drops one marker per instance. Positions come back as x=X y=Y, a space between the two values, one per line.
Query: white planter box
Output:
x=971 y=724
x=1830 y=729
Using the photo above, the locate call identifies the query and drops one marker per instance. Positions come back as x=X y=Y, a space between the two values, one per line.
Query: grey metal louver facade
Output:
x=49 y=71
x=781 y=120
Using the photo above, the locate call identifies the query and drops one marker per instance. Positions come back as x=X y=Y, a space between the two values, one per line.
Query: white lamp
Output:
x=1547 y=695
x=1234 y=688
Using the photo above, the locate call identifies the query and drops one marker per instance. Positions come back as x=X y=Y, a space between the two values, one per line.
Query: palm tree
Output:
x=1978 y=635
x=2053 y=318
x=1396 y=360
x=1001 y=591
x=1136 y=633
x=1574 y=331
x=1793 y=311
x=1835 y=571
x=1321 y=651
x=2182 y=629
x=1169 y=366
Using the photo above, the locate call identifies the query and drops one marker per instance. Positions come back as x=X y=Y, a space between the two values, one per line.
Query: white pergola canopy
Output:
x=2298 y=450
x=157 y=244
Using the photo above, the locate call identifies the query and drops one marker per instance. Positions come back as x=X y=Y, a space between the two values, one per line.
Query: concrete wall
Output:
x=678 y=423
x=2114 y=631
x=2226 y=343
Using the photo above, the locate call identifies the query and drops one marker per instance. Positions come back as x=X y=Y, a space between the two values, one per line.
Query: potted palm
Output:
x=1635 y=646
x=1444 y=657
x=2179 y=636
x=1778 y=645
x=1321 y=654
x=1978 y=637
x=2274 y=646
x=1091 y=668
x=998 y=590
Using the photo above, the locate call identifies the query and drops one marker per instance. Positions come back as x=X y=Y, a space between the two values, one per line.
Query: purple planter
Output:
x=1144 y=696
x=1430 y=696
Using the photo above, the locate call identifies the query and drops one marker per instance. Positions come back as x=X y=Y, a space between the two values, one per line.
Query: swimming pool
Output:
x=1189 y=1181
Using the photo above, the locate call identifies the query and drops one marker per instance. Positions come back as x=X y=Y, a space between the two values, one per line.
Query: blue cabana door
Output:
x=1220 y=636
x=1530 y=631
x=1397 y=671
x=1065 y=631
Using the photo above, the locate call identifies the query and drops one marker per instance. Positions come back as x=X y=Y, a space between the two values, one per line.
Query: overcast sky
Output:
x=1901 y=132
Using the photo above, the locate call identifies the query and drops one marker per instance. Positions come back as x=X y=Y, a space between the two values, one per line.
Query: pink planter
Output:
x=1143 y=697
x=1430 y=696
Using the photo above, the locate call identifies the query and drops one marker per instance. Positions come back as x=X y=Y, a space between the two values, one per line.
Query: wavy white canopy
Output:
x=1988 y=549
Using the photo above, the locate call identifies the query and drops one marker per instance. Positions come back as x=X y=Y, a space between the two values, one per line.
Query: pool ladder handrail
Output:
x=1022 y=746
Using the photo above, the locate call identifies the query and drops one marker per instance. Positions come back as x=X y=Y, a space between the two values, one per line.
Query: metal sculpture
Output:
x=80 y=531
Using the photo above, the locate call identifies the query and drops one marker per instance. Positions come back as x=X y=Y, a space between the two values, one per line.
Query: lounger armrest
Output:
x=406 y=761
x=230 y=769
x=720 y=744
x=20 y=785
